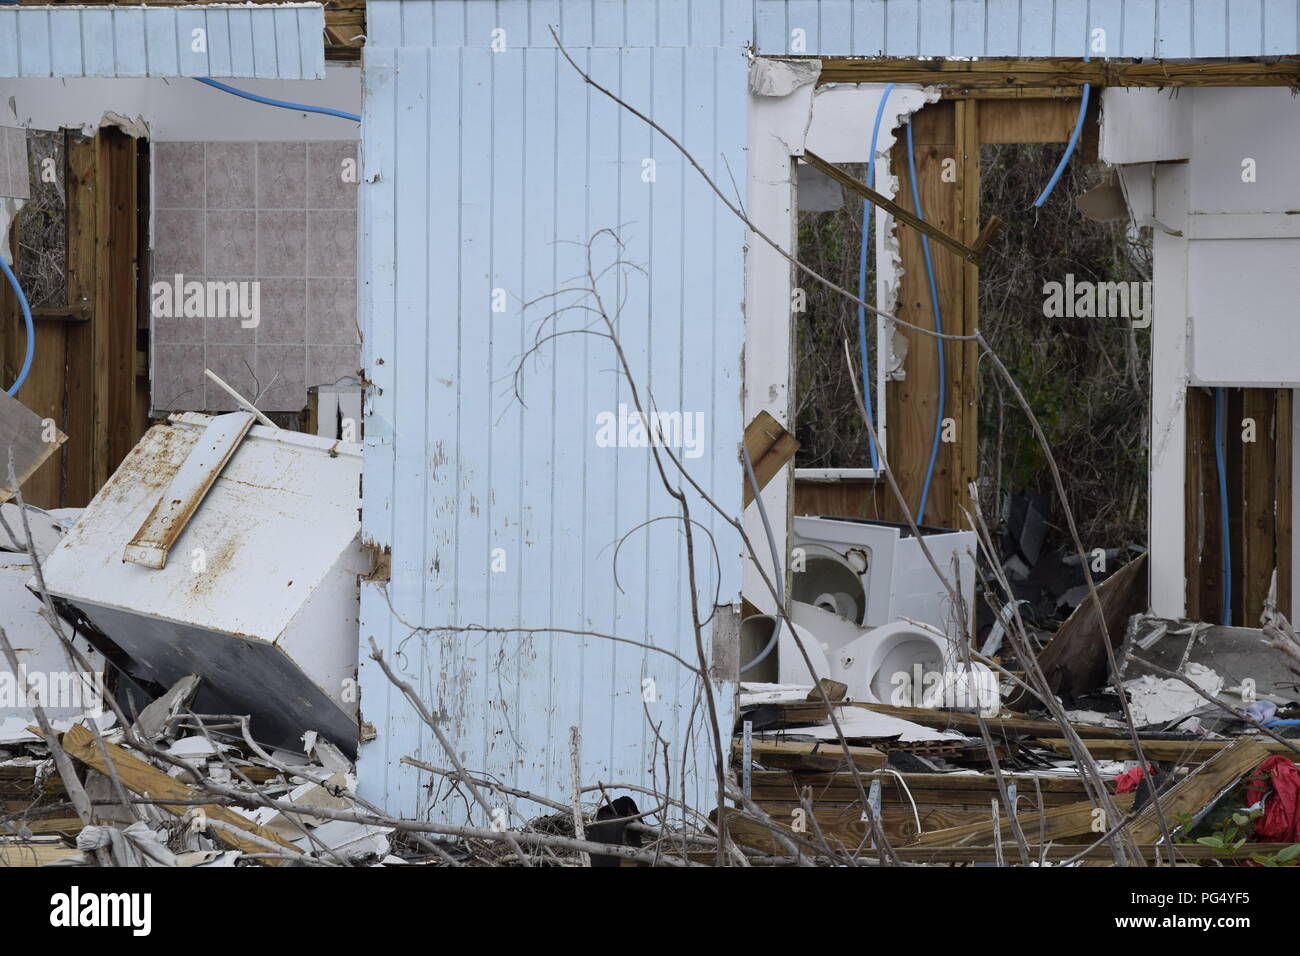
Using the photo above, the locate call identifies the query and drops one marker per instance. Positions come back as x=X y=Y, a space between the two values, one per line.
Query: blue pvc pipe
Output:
x=862 y=276
x=268 y=101
x=938 y=327
x=27 y=322
x=1069 y=147
x=1220 y=449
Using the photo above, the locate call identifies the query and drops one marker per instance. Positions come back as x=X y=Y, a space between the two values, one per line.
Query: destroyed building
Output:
x=449 y=430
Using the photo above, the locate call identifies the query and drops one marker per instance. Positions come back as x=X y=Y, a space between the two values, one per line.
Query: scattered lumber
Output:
x=140 y=778
x=1161 y=751
x=1201 y=788
x=816 y=755
x=1052 y=824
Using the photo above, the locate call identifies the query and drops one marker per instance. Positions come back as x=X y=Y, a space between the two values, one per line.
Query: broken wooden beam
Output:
x=769 y=447
x=141 y=778
x=893 y=208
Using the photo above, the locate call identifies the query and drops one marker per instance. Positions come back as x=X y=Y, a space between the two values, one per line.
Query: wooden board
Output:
x=1052 y=824
x=140 y=778
x=1197 y=790
x=1162 y=751
x=799 y=755
x=770 y=448
x=1010 y=75
x=23 y=443
x=1074 y=661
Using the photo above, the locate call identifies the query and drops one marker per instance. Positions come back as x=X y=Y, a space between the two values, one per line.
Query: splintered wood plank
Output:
x=25 y=441
x=1196 y=791
x=1161 y=751
x=140 y=778
x=800 y=755
x=36 y=854
x=1051 y=824
x=769 y=446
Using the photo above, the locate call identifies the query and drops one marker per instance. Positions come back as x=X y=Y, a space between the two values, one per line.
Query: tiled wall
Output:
x=278 y=213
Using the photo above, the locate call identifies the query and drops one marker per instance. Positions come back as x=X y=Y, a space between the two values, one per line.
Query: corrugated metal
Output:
x=1172 y=29
x=488 y=171
x=268 y=42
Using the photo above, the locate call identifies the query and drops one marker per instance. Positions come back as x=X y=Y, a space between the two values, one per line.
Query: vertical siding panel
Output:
x=576 y=23
x=628 y=726
x=641 y=27
x=188 y=62
x=1003 y=28
x=542 y=15
x=1174 y=22
x=604 y=389
x=667 y=302
x=1071 y=38
x=902 y=27
x=1245 y=27
x=241 y=43
x=311 y=43
x=442 y=347
x=9 y=41
x=448 y=24
x=1107 y=15
x=475 y=389
x=936 y=27
x=162 y=38
x=835 y=29
x=538 y=572
x=97 y=37
x=968 y=28
x=265 y=57
x=512 y=16
x=65 y=45
x=1279 y=27
x=737 y=24
x=379 y=771
x=217 y=23
x=771 y=27
x=1139 y=29
x=129 y=43
x=868 y=27
x=607 y=23
x=673 y=23
x=511 y=656
x=413 y=314
x=34 y=42
x=805 y=15
x=288 y=46
x=702 y=262
x=573 y=436
x=706 y=23
x=1209 y=24
x=417 y=23
x=384 y=24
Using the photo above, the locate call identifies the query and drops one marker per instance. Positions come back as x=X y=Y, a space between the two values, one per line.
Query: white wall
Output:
x=182 y=109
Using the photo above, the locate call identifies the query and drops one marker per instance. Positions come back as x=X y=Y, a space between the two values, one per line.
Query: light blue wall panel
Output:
x=1028 y=28
x=486 y=174
x=270 y=42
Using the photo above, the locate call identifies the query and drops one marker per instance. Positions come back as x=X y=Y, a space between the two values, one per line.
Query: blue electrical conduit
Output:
x=1069 y=147
x=1220 y=450
x=867 y=206
x=266 y=100
x=27 y=323
x=938 y=327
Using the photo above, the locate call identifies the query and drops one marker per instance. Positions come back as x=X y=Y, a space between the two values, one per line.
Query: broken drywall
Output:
x=841 y=122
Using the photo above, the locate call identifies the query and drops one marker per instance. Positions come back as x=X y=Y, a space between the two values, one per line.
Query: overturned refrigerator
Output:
x=229 y=551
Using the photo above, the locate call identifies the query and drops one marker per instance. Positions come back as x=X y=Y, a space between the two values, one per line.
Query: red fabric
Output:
x=1281 y=820
x=1128 y=780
